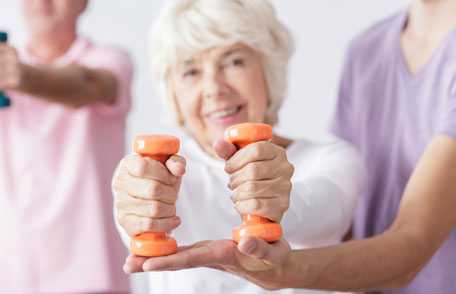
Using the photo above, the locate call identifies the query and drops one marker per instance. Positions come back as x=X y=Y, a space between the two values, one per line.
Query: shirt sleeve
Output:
x=447 y=122
x=343 y=122
x=119 y=63
x=323 y=200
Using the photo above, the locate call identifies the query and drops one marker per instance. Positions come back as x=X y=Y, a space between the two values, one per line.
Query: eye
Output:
x=191 y=73
x=237 y=62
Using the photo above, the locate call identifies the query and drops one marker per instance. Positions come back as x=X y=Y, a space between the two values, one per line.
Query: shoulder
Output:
x=374 y=39
x=108 y=55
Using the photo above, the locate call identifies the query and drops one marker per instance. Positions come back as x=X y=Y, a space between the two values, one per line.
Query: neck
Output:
x=48 y=47
x=431 y=19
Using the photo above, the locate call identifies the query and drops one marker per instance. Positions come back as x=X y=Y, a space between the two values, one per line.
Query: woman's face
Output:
x=49 y=16
x=218 y=88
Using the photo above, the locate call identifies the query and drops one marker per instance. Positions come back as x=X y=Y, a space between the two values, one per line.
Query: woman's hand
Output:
x=146 y=192
x=260 y=178
x=12 y=70
x=252 y=259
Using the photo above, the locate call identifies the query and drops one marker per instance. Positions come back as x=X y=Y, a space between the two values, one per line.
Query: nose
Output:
x=214 y=84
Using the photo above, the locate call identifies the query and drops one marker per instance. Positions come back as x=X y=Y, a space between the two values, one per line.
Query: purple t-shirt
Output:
x=391 y=115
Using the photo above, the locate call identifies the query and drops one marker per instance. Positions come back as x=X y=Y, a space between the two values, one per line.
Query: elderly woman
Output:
x=220 y=63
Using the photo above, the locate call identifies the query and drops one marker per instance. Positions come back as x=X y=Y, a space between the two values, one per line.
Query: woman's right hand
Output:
x=146 y=192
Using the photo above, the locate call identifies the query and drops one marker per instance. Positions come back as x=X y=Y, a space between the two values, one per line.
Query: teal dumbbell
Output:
x=4 y=100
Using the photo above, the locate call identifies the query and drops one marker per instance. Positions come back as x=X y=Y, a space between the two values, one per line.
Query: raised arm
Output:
x=71 y=85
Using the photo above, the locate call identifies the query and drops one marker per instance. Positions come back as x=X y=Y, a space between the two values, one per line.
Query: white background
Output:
x=322 y=29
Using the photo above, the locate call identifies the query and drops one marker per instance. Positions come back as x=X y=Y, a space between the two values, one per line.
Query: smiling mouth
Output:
x=227 y=112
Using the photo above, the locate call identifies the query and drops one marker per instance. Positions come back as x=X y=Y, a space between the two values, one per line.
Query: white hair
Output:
x=188 y=27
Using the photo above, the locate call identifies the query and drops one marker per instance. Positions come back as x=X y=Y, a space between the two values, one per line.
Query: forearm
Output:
x=72 y=85
x=387 y=261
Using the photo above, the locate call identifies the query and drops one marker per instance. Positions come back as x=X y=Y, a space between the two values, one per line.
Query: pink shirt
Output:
x=57 y=232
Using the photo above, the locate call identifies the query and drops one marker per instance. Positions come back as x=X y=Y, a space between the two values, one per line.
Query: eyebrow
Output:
x=224 y=55
x=232 y=51
x=189 y=62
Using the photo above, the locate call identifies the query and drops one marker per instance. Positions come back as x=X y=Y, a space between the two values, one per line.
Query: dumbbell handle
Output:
x=242 y=135
x=4 y=100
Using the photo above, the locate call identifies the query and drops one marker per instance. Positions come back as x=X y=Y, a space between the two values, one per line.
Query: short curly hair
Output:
x=188 y=27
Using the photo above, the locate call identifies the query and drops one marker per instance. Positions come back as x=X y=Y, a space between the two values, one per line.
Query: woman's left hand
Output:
x=252 y=259
x=260 y=178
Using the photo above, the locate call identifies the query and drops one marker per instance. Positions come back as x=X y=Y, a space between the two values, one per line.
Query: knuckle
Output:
x=250 y=186
x=285 y=203
x=154 y=189
x=257 y=150
x=123 y=221
x=282 y=185
x=291 y=170
x=154 y=209
x=254 y=170
x=280 y=151
x=175 y=182
x=288 y=185
x=118 y=204
x=147 y=224
x=139 y=166
x=256 y=204
x=136 y=165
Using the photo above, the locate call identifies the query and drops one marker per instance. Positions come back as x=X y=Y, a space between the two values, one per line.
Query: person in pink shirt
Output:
x=59 y=143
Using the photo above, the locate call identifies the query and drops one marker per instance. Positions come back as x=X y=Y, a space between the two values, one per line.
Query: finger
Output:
x=254 y=171
x=146 y=189
x=120 y=171
x=176 y=165
x=146 y=208
x=265 y=189
x=202 y=254
x=133 y=264
x=258 y=151
x=224 y=149
x=145 y=167
x=272 y=254
x=134 y=225
x=272 y=209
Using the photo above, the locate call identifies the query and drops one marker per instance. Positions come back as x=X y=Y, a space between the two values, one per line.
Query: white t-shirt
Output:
x=327 y=181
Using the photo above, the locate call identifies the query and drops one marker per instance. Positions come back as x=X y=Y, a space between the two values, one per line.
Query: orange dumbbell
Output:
x=160 y=148
x=242 y=135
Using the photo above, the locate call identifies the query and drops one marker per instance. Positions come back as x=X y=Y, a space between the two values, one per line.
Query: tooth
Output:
x=225 y=112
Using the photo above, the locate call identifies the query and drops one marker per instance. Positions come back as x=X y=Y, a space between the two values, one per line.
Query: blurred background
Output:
x=322 y=30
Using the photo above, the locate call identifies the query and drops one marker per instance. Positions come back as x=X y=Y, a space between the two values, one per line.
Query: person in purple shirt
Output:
x=397 y=104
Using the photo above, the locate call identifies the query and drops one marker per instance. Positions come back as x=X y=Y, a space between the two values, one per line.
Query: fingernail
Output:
x=126 y=269
x=227 y=166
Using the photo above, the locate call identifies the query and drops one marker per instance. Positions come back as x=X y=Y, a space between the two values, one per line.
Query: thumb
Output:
x=271 y=254
x=176 y=165
x=224 y=149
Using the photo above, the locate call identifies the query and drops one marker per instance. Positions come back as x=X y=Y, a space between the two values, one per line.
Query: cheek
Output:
x=258 y=105
x=255 y=92
x=189 y=107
